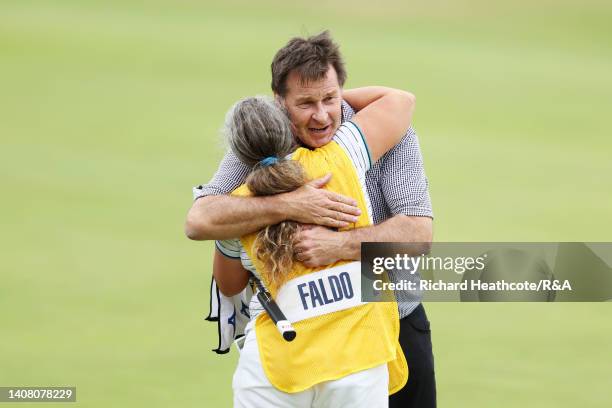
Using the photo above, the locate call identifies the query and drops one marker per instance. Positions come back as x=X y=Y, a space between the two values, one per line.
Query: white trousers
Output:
x=367 y=388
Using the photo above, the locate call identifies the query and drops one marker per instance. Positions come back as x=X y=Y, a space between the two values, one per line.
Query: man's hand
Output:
x=319 y=246
x=311 y=204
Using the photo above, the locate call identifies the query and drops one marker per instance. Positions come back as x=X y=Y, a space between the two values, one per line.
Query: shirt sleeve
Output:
x=229 y=176
x=403 y=180
x=229 y=247
x=347 y=111
x=350 y=138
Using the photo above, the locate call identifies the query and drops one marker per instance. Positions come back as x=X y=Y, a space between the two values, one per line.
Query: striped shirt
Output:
x=396 y=184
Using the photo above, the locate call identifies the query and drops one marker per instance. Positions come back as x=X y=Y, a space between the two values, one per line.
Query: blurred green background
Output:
x=109 y=114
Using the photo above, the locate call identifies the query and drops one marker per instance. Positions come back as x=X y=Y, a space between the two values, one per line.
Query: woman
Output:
x=343 y=346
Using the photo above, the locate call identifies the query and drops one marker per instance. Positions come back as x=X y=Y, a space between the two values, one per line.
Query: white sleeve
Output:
x=229 y=247
x=351 y=139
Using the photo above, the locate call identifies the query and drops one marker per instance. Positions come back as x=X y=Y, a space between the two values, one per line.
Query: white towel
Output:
x=230 y=313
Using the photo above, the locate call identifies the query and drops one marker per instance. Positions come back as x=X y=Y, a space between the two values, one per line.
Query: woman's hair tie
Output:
x=268 y=161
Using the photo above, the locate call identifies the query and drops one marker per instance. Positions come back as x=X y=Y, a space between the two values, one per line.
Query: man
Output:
x=307 y=79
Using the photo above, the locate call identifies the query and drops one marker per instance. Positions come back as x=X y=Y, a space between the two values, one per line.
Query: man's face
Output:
x=314 y=107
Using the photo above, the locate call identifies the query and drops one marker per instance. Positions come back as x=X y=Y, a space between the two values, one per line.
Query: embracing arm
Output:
x=222 y=217
x=320 y=246
x=384 y=116
x=217 y=215
x=359 y=98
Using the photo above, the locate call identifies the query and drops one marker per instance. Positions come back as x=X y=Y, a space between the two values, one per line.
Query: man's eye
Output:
x=304 y=105
x=330 y=99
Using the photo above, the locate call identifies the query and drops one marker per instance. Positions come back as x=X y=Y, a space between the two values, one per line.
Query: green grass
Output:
x=110 y=113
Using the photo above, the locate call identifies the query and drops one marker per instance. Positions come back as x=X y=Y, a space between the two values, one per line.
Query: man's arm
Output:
x=216 y=215
x=319 y=246
x=405 y=189
x=222 y=217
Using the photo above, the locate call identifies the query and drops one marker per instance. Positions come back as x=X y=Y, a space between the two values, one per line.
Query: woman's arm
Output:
x=384 y=115
x=229 y=274
x=361 y=97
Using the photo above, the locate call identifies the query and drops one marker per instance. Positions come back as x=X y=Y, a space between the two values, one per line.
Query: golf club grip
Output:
x=282 y=324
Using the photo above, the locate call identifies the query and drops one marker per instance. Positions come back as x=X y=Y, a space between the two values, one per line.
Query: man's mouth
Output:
x=319 y=130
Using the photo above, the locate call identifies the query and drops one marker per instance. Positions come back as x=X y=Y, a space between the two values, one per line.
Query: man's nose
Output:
x=320 y=114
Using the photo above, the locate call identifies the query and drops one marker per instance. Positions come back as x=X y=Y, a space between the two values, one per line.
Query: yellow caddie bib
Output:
x=337 y=343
